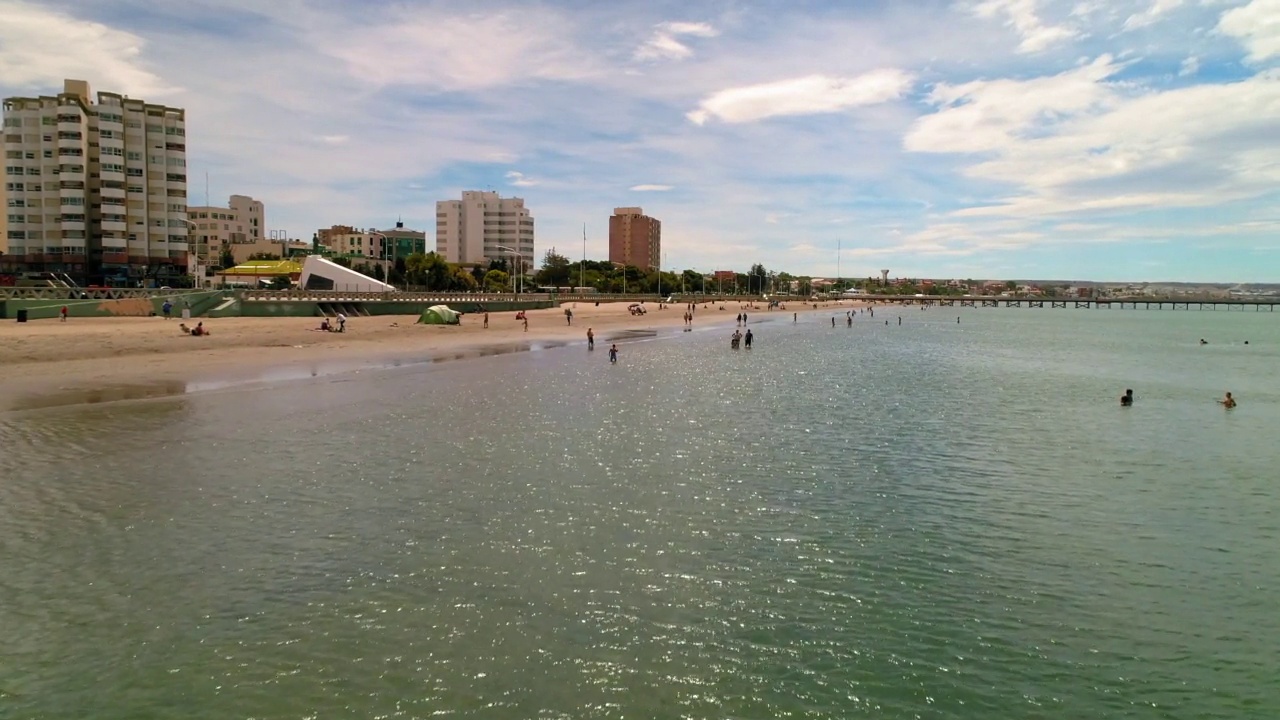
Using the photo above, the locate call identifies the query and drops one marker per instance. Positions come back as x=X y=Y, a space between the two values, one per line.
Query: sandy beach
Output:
x=49 y=356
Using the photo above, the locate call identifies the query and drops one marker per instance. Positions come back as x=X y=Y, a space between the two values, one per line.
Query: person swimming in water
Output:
x=1227 y=402
x=1127 y=398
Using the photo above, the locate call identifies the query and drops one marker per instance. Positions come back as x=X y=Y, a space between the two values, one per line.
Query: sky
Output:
x=1122 y=140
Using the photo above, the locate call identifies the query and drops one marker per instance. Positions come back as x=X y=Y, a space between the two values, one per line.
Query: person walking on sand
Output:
x=167 y=309
x=1227 y=402
x=526 y=323
x=486 y=319
x=63 y=313
x=591 y=339
x=613 y=354
x=568 y=316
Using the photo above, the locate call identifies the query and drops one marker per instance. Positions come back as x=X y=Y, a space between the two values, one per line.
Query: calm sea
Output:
x=932 y=520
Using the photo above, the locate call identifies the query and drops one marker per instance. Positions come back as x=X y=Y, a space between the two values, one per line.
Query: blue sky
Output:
x=1117 y=140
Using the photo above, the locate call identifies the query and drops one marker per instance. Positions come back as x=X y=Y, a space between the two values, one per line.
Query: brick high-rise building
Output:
x=635 y=238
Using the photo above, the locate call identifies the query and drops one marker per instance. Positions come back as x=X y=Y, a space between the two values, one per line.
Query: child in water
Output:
x=613 y=354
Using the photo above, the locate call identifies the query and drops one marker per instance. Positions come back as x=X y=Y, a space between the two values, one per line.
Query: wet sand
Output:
x=49 y=362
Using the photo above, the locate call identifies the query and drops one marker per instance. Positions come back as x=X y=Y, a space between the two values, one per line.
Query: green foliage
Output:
x=462 y=280
x=496 y=281
x=264 y=256
x=226 y=259
x=556 y=270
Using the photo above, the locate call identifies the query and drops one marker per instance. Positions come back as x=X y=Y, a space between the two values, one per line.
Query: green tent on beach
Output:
x=440 y=315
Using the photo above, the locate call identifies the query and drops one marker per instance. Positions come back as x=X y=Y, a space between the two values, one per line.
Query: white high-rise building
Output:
x=483 y=227
x=96 y=190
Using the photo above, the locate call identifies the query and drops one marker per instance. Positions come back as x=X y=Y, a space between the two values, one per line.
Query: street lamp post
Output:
x=515 y=257
x=386 y=269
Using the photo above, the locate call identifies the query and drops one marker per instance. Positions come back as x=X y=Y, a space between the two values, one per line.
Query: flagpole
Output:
x=582 y=268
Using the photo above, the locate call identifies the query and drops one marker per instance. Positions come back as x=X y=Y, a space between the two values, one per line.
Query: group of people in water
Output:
x=1126 y=400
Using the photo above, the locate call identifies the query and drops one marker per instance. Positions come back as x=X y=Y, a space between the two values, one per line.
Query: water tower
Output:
x=884 y=277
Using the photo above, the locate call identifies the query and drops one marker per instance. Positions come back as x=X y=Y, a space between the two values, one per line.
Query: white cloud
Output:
x=1190 y=66
x=989 y=115
x=1023 y=17
x=334 y=139
x=663 y=45
x=1151 y=14
x=651 y=188
x=1256 y=26
x=39 y=47
x=802 y=96
x=1077 y=143
x=419 y=47
x=518 y=179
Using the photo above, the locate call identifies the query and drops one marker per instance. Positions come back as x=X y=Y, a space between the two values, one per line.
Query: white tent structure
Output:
x=321 y=274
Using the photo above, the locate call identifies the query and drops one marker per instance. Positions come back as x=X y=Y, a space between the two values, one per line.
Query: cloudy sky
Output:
x=1100 y=139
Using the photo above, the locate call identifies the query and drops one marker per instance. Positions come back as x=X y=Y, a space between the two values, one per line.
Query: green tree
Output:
x=226 y=259
x=757 y=278
x=462 y=280
x=496 y=281
x=264 y=256
x=555 y=270
x=342 y=260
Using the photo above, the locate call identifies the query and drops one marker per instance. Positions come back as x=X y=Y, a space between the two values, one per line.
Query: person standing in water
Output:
x=793 y=317
x=591 y=339
x=1127 y=398
x=748 y=338
x=613 y=354
x=1227 y=402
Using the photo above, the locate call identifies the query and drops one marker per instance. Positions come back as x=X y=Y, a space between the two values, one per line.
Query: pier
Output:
x=1147 y=303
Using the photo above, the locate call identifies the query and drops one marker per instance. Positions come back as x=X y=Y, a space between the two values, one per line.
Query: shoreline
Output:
x=53 y=364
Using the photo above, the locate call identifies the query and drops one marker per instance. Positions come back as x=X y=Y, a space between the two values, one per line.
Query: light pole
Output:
x=515 y=257
x=386 y=269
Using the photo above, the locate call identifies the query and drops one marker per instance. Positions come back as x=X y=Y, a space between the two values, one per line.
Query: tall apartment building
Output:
x=237 y=228
x=635 y=238
x=483 y=227
x=96 y=190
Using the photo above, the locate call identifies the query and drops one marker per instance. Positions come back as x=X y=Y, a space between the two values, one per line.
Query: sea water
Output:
x=926 y=520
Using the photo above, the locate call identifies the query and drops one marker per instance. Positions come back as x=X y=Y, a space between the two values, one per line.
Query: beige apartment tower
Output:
x=634 y=238
x=237 y=228
x=483 y=227
x=96 y=187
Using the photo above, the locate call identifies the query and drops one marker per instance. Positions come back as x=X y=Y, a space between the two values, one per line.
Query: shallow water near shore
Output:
x=931 y=520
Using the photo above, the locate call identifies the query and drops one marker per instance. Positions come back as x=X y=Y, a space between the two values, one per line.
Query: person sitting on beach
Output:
x=324 y=325
x=199 y=329
x=1227 y=402
x=1127 y=398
